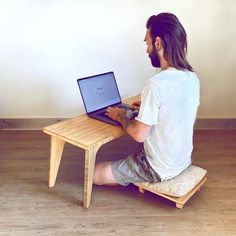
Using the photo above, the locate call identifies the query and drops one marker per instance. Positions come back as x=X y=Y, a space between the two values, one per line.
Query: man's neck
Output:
x=164 y=64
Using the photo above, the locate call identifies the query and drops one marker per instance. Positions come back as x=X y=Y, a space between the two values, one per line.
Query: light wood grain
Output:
x=90 y=157
x=57 y=146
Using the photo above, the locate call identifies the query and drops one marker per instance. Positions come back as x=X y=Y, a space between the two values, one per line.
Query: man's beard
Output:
x=155 y=59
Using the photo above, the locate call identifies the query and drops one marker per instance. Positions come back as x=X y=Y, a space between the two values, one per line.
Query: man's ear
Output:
x=158 y=43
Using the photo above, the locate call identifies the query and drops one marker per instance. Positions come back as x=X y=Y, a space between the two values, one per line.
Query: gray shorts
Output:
x=134 y=168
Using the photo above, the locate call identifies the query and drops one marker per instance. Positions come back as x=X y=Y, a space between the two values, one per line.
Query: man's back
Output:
x=169 y=102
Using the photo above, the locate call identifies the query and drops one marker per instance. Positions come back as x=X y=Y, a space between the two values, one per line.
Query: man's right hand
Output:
x=135 y=105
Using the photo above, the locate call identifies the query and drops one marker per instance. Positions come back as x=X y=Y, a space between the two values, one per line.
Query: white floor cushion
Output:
x=181 y=184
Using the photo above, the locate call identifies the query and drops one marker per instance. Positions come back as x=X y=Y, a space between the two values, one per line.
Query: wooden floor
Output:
x=29 y=207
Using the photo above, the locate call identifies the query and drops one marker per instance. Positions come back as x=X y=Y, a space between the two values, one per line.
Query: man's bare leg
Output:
x=103 y=174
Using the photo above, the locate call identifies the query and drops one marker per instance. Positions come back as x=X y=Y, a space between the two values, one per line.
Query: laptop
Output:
x=98 y=93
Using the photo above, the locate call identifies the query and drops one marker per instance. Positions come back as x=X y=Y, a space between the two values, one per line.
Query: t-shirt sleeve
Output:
x=150 y=104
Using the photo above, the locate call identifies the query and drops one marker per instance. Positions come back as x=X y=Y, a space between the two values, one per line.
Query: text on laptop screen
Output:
x=99 y=91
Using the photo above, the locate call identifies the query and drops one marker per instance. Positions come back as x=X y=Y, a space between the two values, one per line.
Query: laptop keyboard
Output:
x=103 y=114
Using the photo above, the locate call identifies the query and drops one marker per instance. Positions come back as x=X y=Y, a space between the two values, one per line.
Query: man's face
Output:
x=151 y=50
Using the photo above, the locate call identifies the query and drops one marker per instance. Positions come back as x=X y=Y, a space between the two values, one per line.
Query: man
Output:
x=167 y=111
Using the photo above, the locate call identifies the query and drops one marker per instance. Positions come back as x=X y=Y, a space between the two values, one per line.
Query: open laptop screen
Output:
x=99 y=91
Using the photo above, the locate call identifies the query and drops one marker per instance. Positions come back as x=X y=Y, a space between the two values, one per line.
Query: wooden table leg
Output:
x=90 y=158
x=57 y=146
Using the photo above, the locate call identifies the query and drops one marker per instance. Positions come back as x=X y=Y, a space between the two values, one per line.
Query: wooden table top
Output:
x=86 y=132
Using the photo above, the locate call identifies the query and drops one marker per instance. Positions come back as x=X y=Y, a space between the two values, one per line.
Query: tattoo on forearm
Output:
x=124 y=120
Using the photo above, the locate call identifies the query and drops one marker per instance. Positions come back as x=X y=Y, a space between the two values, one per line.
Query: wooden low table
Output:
x=86 y=133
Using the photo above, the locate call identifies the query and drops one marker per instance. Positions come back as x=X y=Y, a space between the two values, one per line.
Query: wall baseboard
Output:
x=39 y=123
x=215 y=123
x=27 y=123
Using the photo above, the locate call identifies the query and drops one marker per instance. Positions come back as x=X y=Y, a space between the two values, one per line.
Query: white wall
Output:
x=46 y=45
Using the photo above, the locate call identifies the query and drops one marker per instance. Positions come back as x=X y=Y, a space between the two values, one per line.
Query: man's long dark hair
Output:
x=174 y=39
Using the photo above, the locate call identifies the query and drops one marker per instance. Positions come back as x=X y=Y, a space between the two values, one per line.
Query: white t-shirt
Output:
x=169 y=103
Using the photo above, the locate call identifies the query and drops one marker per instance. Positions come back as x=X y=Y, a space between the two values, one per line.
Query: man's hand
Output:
x=136 y=129
x=135 y=105
x=113 y=112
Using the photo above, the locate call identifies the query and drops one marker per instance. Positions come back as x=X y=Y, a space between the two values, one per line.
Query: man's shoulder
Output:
x=157 y=79
x=172 y=76
x=155 y=82
x=161 y=76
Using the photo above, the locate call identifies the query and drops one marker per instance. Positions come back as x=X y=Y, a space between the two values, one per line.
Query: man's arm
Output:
x=136 y=129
